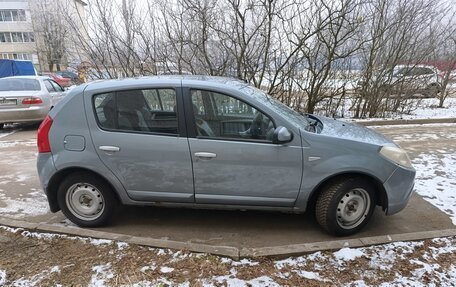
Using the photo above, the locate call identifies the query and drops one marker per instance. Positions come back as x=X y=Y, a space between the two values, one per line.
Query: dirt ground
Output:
x=49 y=260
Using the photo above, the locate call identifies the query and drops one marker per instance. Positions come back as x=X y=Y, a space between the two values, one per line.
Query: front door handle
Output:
x=205 y=155
x=109 y=148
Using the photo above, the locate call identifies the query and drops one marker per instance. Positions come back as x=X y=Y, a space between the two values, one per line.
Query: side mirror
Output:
x=282 y=135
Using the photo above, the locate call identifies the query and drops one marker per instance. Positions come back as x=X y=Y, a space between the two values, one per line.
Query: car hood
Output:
x=352 y=131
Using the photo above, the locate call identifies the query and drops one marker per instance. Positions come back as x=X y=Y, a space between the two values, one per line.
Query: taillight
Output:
x=43 y=135
x=32 y=101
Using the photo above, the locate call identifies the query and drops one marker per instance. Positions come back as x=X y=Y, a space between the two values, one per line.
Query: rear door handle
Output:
x=205 y=155
x=109 y=148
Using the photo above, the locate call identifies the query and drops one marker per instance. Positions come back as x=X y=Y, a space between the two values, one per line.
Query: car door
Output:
x=138 y=135
x=234 y=159
x=59 y=92
x=55 y=91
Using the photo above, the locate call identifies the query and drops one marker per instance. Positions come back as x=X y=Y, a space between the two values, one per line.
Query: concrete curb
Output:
x=406 y=122
x=229 y=251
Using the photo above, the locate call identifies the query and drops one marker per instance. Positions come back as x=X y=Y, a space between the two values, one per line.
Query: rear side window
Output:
x=49 y=86
x=56 y=86
x=148 y=110
x=19 y=85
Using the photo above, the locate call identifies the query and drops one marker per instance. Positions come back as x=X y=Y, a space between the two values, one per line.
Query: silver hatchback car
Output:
x=207 y=142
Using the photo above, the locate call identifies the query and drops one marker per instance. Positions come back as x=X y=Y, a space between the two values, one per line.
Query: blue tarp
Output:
x=10 y=68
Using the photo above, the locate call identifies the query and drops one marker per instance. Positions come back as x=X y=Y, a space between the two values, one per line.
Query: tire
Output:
x=345 y=206
x=2 y=125
x=86 y=200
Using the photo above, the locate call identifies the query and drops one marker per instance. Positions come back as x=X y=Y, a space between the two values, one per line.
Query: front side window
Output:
x=148 y=110
x=222 y=116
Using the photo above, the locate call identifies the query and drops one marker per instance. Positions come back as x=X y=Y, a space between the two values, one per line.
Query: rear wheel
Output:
x=345 y=206
x=86 y=200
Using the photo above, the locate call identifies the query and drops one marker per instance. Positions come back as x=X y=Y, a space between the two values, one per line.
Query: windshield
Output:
x=286 y=112
x=19 y=85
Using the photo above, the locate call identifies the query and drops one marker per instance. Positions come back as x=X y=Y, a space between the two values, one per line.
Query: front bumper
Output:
x=399 y=188
x=29 y=114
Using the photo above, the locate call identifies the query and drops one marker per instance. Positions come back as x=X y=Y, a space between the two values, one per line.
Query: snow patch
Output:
x=436 y=180
x=347 y=254
x=98 y=242
x=7 y=144
x=166 y=269
x=122 y=245
x=34 y=205
x=2 y=277
x=102 y=274
x=148 y=267
x=242 y=262
x=309 y=275
x=425 y=108
x=229 y=281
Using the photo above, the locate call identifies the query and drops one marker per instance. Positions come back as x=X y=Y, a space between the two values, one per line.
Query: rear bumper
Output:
x=46 y=169
x=29 y=114
x=399 y=188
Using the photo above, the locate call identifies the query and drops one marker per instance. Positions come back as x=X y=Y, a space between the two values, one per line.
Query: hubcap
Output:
x=85 y=201
x=352 y=208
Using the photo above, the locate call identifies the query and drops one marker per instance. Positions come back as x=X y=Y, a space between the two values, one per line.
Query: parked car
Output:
x=209 y=142
x=411 y=80
x=69 y=75
x=27 y=98
x=63 y=82
x=419 y=79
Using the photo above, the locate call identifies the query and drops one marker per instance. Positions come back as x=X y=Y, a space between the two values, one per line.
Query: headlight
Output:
x=396 y=155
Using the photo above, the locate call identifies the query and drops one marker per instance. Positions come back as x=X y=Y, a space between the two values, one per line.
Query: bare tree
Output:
x=444 y=53
x=396 y=33
x=303 y=52
x=51 y=33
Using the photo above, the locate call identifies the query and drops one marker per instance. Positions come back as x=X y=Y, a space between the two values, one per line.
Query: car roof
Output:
x=415 y=66
x=232 y=83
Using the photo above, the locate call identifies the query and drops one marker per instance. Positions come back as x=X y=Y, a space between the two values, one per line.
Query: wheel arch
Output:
x=382 y=197
x=58 y=177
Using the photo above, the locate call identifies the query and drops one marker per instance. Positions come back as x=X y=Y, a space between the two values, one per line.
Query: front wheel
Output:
x=344 y=207
x=86 y=200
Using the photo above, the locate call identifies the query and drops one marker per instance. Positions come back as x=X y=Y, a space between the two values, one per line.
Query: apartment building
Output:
x=24 y=35
x=17 y=38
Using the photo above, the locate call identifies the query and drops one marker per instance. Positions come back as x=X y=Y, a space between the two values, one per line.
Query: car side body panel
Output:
x=294 y=170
